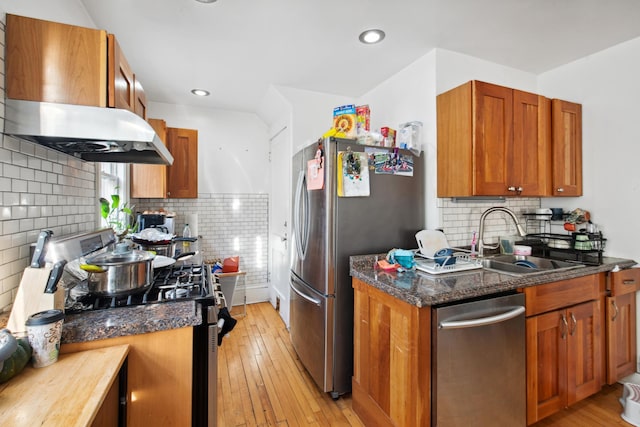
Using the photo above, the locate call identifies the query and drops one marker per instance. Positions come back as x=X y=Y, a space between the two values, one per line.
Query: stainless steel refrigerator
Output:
x=327 y=229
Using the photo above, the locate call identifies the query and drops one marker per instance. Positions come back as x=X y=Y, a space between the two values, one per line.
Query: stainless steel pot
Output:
x=121 y=272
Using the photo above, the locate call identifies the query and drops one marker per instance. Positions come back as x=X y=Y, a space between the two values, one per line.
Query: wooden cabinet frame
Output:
x=621 y=311
x=392 y=359
x=564 y=344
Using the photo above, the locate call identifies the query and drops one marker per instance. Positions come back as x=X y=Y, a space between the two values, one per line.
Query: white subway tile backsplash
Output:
x=10 y=199
x=226 y=220
x=459 y=220
x=19 y=185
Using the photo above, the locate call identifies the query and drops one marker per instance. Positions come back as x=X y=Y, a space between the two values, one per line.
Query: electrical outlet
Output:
x=277 y=303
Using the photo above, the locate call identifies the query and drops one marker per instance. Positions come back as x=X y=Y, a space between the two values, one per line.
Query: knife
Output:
x=38 y=255
x=54 y=277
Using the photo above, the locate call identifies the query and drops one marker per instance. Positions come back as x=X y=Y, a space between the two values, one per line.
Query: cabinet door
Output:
x=150 y=181
x=530 y=154
x=121 y=81
x=52 y=62
x=140 y=105
x=455 y=146
x=567 y=148
x=546 y=364
x=183 y=173
x=159 y=375
x=493 y=138
x=621 y=336
x=584 y=354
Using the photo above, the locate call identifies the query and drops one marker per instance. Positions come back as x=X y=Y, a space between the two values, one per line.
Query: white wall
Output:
x=66 y=11
x=607 y=86
x=454 y=68
x=312 y=114
x=407 y=96
x=232 y=146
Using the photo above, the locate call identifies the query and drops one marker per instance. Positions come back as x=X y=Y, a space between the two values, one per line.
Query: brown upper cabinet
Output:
x=180 y=180
x=60 y=63
x=182 y=175
x=150 y=181
x=497 y=141
x=567 y=148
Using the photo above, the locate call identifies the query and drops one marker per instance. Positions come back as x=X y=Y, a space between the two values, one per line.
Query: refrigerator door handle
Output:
x=306 y=297
x=301 y=217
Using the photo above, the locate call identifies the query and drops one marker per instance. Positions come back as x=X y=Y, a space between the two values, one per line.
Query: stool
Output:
x=230 y=282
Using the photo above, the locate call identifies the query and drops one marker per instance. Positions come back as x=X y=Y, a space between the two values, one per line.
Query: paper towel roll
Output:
x=192 y=220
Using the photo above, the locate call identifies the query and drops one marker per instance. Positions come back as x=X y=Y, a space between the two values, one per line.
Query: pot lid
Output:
x=120 y=256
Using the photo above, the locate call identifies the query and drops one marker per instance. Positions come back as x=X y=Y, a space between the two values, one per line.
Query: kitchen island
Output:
x=393 y=334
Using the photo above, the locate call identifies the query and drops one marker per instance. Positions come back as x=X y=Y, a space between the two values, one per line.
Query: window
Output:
x=113 y=180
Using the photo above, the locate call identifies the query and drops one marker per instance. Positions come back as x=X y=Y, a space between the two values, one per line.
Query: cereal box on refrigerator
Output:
x=344 y=120
x=389 y=136
x=362 y=119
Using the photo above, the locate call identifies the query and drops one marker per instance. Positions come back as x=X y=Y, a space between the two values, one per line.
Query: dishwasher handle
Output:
x=482 y=321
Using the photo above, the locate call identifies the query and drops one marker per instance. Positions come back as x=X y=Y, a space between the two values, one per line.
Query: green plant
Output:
x=115 y=215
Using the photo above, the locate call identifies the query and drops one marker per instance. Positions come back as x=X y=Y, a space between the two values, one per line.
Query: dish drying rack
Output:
x=464 y=261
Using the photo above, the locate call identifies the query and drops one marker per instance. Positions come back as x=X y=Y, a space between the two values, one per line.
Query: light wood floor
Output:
x=262 y=383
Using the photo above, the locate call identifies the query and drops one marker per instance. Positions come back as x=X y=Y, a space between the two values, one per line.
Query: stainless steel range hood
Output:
x=94 y=134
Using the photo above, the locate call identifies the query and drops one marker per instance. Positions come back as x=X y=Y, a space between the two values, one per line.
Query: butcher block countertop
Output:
x=67 y=393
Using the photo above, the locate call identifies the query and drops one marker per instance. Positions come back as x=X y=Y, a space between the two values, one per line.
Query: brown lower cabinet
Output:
x=159 y=372
x=564 y=345
x=392 y=359
x=569 y=346
x=621 y=324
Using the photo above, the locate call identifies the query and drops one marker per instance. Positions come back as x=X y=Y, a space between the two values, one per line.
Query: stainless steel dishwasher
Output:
x=478 y=367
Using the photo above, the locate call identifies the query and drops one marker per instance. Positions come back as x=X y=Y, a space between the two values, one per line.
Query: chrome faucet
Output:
x=481 y=244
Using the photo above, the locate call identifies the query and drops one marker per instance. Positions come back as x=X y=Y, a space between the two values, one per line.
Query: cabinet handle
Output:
x=560 y=190
x=616 y=312
x=575 y=324
x=563 y=333
x=515 y=189
x=629 y=282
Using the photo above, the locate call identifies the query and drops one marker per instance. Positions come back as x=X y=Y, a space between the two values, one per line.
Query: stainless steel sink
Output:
x=525 y=265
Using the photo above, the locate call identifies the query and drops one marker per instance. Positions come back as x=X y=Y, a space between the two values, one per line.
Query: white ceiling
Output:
x=237 y=48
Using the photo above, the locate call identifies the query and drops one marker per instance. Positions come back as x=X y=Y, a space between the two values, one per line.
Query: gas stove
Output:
x=170 y=284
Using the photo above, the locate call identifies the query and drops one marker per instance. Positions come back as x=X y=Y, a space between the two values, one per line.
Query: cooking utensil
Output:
x=54 y=277
x=125 y=271
x=430 y=241
x=38 y=255
x=161 y=261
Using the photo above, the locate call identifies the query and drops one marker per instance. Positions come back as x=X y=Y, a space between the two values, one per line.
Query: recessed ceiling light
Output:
x=200 y=92
x=206 y=1
x=371 y=36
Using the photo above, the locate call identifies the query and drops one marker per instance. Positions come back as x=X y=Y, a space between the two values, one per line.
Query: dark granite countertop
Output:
x=122 y=321
x=423 y=289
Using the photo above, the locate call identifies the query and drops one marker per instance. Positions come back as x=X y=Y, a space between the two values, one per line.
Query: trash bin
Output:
x=630 y=401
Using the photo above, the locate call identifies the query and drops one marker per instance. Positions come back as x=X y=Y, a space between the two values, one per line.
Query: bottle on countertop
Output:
x=186 y=232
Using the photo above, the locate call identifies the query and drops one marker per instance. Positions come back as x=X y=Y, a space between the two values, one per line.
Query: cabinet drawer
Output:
x=564 y=293
x=624 y=281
